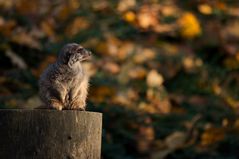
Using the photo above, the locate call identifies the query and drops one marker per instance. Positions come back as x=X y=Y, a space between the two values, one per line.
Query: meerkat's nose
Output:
x=87 y=52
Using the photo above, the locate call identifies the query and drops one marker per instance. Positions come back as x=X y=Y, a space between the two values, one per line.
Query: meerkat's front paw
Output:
x=55 y=104
x=78 y=105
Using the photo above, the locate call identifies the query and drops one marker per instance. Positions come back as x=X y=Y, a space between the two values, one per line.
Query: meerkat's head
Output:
x=72 y=54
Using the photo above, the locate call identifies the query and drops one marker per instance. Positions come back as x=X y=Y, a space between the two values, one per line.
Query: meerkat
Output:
x=64 y=84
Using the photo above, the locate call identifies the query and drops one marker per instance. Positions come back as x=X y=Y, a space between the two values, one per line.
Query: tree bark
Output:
x=50 y=134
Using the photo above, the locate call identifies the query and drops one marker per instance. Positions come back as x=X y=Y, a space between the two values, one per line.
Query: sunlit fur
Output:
x=64 y=84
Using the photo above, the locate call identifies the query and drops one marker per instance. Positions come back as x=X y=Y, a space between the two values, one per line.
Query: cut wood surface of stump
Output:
x=50 y=134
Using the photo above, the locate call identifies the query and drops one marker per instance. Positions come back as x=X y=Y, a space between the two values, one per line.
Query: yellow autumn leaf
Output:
x=129 y=16
x=189 y=25
x=205 y=9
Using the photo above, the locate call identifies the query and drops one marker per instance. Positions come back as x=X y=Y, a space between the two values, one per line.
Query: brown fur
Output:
x=64 y=84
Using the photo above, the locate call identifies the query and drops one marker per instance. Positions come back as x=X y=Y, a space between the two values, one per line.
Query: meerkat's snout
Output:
x=85 y=54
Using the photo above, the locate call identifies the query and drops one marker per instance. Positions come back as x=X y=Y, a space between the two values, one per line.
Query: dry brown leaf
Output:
x=231 y=63
x=162 y=105
x=124 y=5
x=101 y=94
x=154 y=79
x=169 y=10
x=6 y=4
x=7 y=26
x=126 y=48
x=137 y=72
x=111 y=67
x=24 y=38
x=147 y=18
x=205 y=9
x=78 y=24
x=48 y=28
x=145 y=137
x=231 y=30
x=176 y=140
x=26 y=7
x=132 y=94
x=144 y=55
x=100 y=5
x=146 y=107
x=67 y=8
x=122 y=99
x=212 y=135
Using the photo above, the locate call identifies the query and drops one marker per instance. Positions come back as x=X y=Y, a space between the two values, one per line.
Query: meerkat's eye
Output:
x=79 y=50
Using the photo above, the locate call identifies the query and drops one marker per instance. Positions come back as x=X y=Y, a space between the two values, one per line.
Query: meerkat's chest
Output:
x=72 y=82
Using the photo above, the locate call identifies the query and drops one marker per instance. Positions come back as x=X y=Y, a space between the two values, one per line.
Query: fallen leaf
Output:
x=24 y=38
x=137 y=72
x=78 y=24
x=154 y=79
x=48 y=27
x=144 y=55
x=129 y=16
x=7 y=26
x=212 y=135
x=101 y=94
x=176 y=140
x=205 y=9
x=111 y=67
x=124 y=5
x=189 y=25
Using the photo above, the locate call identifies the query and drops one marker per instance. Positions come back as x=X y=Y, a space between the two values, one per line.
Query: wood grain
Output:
x=50 y=134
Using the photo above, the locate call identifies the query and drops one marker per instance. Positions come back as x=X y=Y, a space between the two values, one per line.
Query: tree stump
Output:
x=50 y=134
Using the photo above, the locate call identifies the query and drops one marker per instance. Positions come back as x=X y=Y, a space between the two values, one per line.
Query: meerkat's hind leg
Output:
x=56 y=98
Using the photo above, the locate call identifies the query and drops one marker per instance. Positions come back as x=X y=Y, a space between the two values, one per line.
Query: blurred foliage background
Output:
x=164 y=72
